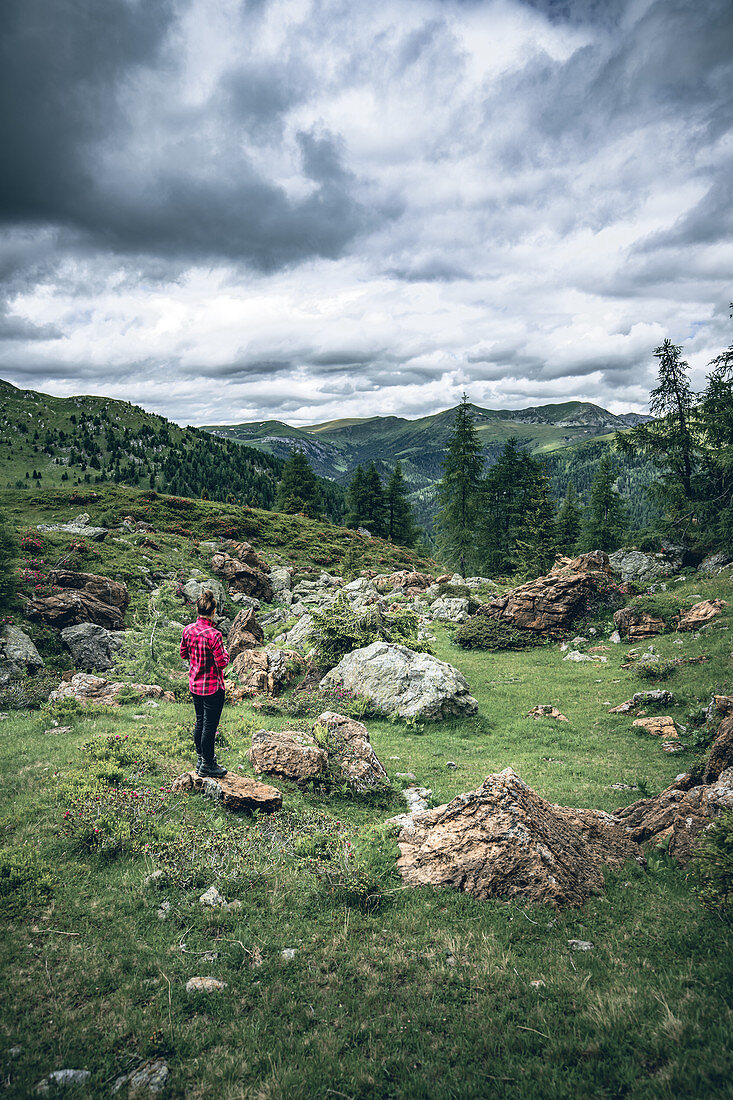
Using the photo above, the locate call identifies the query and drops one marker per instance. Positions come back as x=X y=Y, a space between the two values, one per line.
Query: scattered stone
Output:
x=86 y=688
x=154 y=878
x=18 y=654
x=15 y=1052
x=204 y=985
x=504 y=840
x=396 y=680
x=657 y=697
x=417 y=798
x=451 y=764
x=405 y=775
x=235 y=792
x=545 y=710
x=634 y=623
x=615 y=638
x=80 y=525
x=213 y=899
x=63 y=1078
x=701 y=614
x=244 y=633
x=164 y=910
x=537 y=983
x=92 y=646
x=246 y=553
x=151 y=1076
x=662 y=726
x=580 y=945
x=623 y=787
x=578 y=657
x=288 y=953
x=672 y=746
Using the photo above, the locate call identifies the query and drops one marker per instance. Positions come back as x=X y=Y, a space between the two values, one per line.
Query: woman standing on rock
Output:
x=202 y=647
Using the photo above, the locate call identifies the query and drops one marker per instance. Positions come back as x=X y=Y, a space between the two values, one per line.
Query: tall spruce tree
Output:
x=376 y=509
x=297 y=489
x=509 y=488
x=569 y=522
x=401 y=526
x=536 y=543
x=356 y=499
x=605 y=521
x=459 y=491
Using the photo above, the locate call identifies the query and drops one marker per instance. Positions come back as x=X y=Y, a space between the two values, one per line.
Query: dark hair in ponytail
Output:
x=206 y=604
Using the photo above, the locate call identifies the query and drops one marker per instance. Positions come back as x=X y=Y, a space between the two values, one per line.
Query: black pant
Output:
x=208 y=712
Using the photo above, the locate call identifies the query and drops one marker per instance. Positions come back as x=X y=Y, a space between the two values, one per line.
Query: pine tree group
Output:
x=298 y=489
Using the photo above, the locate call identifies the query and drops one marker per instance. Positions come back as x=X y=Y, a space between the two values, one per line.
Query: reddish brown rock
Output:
x=680 y=814
x=350 y=753
x=546 y=603
x=241 y=577
x=662 y=726
x=246 y=553
x=244 y=633
x=235 y=792
x=102 y=588
x=71 y=607
x=291 y=754
x=504 y=840
x=634 y=624
x=701 y=613
x=595 y=561
x=720 y=756
x=403 y=578
x=544 y=710
x=264 y=671
x=86 y=688
x=721 y=705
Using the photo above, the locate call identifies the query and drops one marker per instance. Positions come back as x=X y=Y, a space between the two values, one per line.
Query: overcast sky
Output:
x=229 y=210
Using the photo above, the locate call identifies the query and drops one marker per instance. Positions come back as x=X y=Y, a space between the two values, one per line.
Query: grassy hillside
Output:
x=424 y=993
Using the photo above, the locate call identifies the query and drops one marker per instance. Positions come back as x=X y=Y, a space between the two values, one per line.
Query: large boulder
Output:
x=396 y=680
x=18 y=654
x=244 y=633
x=103 y=588
x=351 y=758
x=701 y=614
x=240 y=577
x=680 y=815
x=263 y=671
x=194 y=586
x=714 y=564
x=410 y=581
x=86 y=688
x=639 y=568
x=92 y=646
x=450 y=609
x=281 y=580
x=594 y=561
x=504 y=840
x=720 y=756
x=72 y=606
x=290 y=754
x=80 y=526
x=246 y=553
x=298 y=637
x=635 y=624
x=235 y=792
x=547 y=603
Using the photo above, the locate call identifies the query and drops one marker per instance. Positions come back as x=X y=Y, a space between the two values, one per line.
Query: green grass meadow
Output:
x=424 y=993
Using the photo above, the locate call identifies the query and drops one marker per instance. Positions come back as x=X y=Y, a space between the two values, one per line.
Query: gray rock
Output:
x=18 y=654
x=204 y=985
x=298 y=637
x=478 y=582
x=450 y=609
x=78 y=526
x=615 y=638
x=396 y=680
x=417 y=798
x=63 y=1078
x=151 y=1076
x=364 y=531
x=288 y=953
x=92 y=647
x=245 y=601
x=277 y=615
x=213 y=899
x=580 y=945
x=640 y=568
x=193 y=588
x=280 y=580
x=716 y=563
x=577 y=656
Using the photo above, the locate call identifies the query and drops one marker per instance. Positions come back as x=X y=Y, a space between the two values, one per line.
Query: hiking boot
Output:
x=211 y=770
x=199 y=762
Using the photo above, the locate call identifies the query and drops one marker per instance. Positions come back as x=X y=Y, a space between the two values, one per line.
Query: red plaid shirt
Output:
x=201 y=645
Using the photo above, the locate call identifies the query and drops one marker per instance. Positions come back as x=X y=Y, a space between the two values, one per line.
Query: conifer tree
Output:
x=459 y=491
x=400 y=523
x=356 y=498
x=534 y=550
x=297 y=489
x=605 y=518
x=569 y=522
x=376 y=509
x=509 y=488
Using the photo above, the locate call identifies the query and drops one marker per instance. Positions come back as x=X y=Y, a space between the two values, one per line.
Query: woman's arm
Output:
x=220 y=655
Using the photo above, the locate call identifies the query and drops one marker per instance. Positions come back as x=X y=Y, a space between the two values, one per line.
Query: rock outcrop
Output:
x=80 y=525
x=720 y=756
x=70 y=607
x=449 y=609
x=18 y=654
x=639 y=568
x=86 y=688
x=410 y=581
x=701 y=613
x=263 y=671
x=656 y=697
x=246 y=553
x=92 y=646
x=341 y=752
x=235 y=792
x=102 y=588
x=194 y=586
x=244 y=633
x=396 y=680
x=240 y=577
x=661 y=726
x=635 y=624
x=504 y=840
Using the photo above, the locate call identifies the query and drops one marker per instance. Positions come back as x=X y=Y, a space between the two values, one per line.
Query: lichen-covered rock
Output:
x=92 y=646
x=714 y=564
x=504 y=840
x=656 y=697
x=406 y=579
x=240 y=577
x=720 y=756
x=396 y=680
x=72 y=606
x=194 y=586
x=298 y=637
x=244 y=633
x=263 y=671
x=701 y=613
x=81 y=525
x=235 y=792
x=18 y=654
x=291 y=754
x=450 y=609
x=634 y=623
x=661 y=726
x=640 y=568
x=103 y=588
x=351 y=757
x=86 y=688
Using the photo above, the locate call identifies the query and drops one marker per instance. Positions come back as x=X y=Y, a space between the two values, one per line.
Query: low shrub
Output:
x=30 y=693
x=483 y=632
x=312 y=701
x=121 y=749
x=652 y=667
x=339 y=629
x=24 y=879
x=713 y=865
x=112 y=820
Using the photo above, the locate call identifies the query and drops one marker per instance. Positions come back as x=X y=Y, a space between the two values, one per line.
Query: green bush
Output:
x=113 y=820
x=24 y=878
x=483 y=632
x=30 y=693
x=338 y=630
x=713 y=865
x=655 y=668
